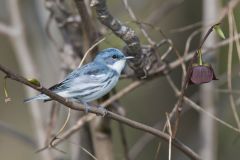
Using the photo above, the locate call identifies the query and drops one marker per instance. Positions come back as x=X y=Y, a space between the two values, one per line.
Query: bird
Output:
x=91 y=81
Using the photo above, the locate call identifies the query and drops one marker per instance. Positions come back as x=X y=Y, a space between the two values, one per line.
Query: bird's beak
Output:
x=129 y=57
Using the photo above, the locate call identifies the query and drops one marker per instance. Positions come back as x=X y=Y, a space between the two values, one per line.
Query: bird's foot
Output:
x=87 y=107
x=100 y=108
x=103 y=110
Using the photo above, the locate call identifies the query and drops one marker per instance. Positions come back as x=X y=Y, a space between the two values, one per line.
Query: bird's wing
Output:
x=89 y=73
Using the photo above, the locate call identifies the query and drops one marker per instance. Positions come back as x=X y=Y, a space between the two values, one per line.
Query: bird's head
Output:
x=113 y=58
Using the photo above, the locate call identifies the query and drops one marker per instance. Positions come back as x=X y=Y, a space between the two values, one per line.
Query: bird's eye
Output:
x=114 y=56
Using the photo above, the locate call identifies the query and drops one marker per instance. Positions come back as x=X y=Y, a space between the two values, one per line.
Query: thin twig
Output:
x=52 y=122
x=170 y=139
x=235 y=32
x=227 y=91
x=229 y=71
x=124 y=32
x=82 y=148
x=173 y=47
x=133 y=16
x=200 y=109
x=186 y=28
x=172 y=113
x=63 y=126
x=90 y=49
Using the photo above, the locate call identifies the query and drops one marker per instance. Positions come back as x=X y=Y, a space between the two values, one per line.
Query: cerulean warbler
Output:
x=91 y=81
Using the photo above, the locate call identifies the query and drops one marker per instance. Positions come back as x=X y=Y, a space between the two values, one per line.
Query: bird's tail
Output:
x=37 y=97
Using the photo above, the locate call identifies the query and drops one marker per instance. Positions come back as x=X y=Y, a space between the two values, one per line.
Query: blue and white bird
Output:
x=91 y=81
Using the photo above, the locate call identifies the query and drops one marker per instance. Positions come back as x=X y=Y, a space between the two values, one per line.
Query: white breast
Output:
x=118 y=66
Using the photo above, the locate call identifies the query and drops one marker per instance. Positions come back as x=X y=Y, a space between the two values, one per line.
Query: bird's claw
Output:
x=100 y=108
x=87 y=107
x=103 y=110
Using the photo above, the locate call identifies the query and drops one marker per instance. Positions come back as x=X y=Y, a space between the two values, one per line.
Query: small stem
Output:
x=5 y=87
x=207 y=34
x=7 y=98
x=200 y=61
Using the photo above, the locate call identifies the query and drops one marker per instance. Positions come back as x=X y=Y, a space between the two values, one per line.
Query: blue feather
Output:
x=92 y=80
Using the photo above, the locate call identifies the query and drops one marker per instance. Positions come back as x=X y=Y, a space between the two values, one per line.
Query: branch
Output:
x=109 y=114
x=127 y=34
x=134 y=18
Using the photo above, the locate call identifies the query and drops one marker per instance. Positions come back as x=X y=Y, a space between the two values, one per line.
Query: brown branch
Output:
x=124 y=32
x=108 y=114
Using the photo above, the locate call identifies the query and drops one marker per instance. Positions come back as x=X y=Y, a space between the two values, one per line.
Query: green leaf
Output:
x=219 y=31
x=7 y=99
x=34 y=81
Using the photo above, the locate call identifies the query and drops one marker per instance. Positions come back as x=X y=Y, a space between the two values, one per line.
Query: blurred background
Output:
x=37 y=52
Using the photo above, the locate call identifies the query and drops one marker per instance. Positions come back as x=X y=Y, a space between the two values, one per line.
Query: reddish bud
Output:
x=201 y=74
